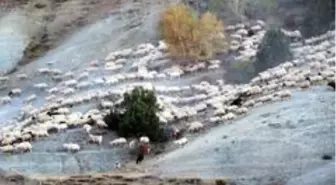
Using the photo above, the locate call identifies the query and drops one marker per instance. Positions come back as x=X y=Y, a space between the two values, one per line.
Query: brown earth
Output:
x=106 y=179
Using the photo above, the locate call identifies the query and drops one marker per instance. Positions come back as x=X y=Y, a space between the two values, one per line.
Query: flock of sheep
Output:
x=193 y=105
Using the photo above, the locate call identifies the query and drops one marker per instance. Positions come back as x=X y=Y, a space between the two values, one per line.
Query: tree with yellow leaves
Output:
x=190 y=37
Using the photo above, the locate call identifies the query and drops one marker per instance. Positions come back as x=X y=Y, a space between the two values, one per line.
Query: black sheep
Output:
x=331 y=84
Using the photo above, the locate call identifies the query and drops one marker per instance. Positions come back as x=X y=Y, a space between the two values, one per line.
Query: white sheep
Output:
x=21 y=76
x=284 y=94
x=84 y=75
x=144 y=139
x=69 y=75
x=71 y=147
x=53 y=90
x=315 y=79
x=7 y=149
x=30 y=98
x=63 y=110
x=70 y=83
x=101 y=123
x=200 y=107
x=68 y=91
x=61 y=127
x=40 y=132
x=23 y=147
x=5 y=100
x=249 y=103
x=106 y=104
x=265 y=98
x=162 y=46
x=87 y=128
x=8 y=140
x=4 y=78
x=241 y=110
x=56 y=71
x=290 y=83
x=215 y=119
x=195 y=127
x=287 y=65
x=16 y=92
x=118 y=142
x=96 y=139
x=229 y=116
x=181 y=141
x=41 y=86
x=83 y=85
x=44 y=70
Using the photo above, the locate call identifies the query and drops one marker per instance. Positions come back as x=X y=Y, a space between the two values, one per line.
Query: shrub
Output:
x=273 y=50
x=191 y=37
x=136 y=115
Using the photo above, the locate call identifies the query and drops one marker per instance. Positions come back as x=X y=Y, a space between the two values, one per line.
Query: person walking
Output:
x=143 y=149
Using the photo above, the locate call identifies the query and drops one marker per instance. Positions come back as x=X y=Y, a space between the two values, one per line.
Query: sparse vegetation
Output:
x=191 y=37
x=273 y=50
x=136 y=115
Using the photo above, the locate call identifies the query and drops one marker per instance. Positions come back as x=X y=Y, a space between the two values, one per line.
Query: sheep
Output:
x=26 y=136
x=195 y=127
x=8 y=140
x=5 y=100
x=181 y=141
x=71 y=147
x=106 y=104
x=96 y=139
x=7 y=149
x=328 y=73
x=315 y=79
x=68 y=91
x=118 y=142
x=44 y=70
x=15 y=92
x=69 y=75
x=200 y=107
x=249 y=103
x=284 y=94
x=53 y=90
x=41 y=86
x=23 y=147
x=236 y=37
x=241 y=111
x=101 y=123
x=229 y=116
x=215 y=119
x=144 y=139
x=56 y=71
x=30 y=98
x=87 y=128
x=162 y=46
x=4 y=78
x=40 y=132
x=289 y=83
x=71 y=83
x=287 y=65
x=265 y=76
x=21 y=76
x=83 y=85
x=266 y=98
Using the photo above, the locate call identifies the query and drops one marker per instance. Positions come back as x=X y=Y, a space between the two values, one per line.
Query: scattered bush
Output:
x=191 y=37
x=136 y=115
x=273 y=50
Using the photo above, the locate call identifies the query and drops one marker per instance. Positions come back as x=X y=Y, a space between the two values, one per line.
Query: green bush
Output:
x=273 y=50
x=136 y=115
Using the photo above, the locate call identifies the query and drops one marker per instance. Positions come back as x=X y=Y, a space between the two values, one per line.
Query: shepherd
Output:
x=143 y=149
